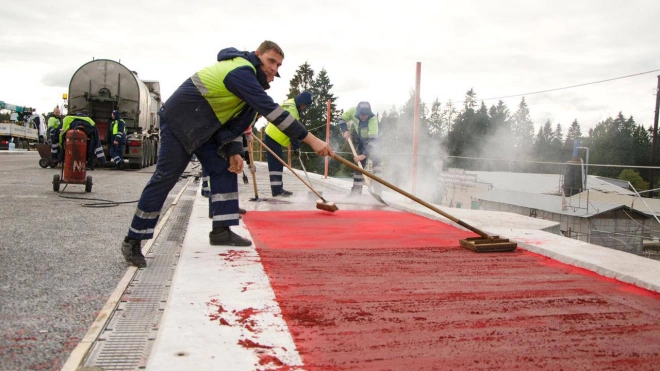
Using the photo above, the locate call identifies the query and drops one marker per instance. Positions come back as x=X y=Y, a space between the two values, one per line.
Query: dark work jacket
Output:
x=193 y=121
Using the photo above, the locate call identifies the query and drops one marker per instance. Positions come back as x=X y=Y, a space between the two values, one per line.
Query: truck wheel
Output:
x=56 y=182
x=88 y=184
x=43 y=163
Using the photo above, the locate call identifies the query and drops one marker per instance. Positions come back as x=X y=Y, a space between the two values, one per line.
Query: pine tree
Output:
x=303 y=80
x=574 y=132
x=460 y=139
x=500 y=120
x=612 y=142
x=557 y=145
x=523 y=129
x=447 y=116
x=436 y=127
x=315 y=117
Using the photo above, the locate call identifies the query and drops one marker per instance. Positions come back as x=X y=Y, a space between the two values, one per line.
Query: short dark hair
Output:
x=270 y=45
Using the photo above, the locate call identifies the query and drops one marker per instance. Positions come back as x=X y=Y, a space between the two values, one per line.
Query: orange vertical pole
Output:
x=416 y=127
x=327 y=137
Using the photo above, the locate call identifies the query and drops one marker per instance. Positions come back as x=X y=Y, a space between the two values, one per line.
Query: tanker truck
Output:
x=103 y=85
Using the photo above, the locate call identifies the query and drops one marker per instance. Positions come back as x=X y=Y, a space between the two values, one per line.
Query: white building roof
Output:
x=549 y=203
x=647 y=206
x=541 y=183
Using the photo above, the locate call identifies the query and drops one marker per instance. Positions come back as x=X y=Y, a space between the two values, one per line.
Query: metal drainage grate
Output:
x=126 y=341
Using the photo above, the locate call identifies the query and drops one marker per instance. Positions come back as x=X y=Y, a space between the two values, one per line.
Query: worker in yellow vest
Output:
x=207 y=116
x=54 y=122
x=117 y=140
x=360 y=125
x=275 y=140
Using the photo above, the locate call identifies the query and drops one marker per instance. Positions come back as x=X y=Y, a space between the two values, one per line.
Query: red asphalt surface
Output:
x=383 y=290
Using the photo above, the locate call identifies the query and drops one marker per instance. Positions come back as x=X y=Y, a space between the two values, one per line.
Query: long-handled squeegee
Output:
x=321 y=204
x=485 y=243
x=302 y=165
x=253 y=170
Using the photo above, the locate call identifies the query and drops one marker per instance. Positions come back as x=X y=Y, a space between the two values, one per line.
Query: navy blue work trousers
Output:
x=172 y=162
x=275 y=167
x=117 y=152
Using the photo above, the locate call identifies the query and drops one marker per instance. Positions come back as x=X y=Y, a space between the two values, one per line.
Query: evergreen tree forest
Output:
x=471 y=135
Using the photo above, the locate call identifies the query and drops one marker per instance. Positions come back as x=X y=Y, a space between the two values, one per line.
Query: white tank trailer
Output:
x=103 y=85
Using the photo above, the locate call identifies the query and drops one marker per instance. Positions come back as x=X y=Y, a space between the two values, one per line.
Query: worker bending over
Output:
x=275 y=140
x=360 y=125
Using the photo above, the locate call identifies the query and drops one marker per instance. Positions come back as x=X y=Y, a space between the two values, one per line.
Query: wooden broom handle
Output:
x=410 y=196
x=253 y=168
x=290 y=169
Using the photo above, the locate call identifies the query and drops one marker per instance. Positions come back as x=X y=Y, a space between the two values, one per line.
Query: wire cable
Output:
x=565 y=87
x=518 y=161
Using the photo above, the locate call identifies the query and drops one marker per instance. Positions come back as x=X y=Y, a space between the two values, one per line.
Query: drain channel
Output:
x=126 y=341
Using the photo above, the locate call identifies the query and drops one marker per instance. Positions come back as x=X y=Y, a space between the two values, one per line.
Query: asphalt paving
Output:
x=59 y=260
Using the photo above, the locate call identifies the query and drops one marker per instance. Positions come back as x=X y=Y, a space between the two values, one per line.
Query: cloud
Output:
x=368 y=49
x=58 y=79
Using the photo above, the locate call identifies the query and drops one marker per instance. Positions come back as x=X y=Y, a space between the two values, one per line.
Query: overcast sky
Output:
x=368 y=48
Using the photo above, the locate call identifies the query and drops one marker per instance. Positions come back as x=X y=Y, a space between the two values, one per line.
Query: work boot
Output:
x=241 y=211
x=223 y=236
x=132 y=251
x=356 y=191
x=283 y=193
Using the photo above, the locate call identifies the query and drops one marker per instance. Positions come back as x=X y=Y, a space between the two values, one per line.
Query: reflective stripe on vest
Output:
x=210 y=82
x=276 y=134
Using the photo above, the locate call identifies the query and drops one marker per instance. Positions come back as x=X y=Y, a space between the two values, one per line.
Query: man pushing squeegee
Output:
x=321 y=204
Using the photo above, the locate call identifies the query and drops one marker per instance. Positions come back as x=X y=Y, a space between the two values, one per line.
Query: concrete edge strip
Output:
x=222 y=312
x=79 y=353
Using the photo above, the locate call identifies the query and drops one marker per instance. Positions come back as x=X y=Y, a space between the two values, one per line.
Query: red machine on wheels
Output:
x=75 y=154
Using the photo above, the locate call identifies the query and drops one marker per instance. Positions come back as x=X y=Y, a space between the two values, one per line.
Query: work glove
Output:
x=296 y=153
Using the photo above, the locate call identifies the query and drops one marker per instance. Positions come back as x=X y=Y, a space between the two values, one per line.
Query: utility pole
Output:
x=655 y=135
x=416 y=126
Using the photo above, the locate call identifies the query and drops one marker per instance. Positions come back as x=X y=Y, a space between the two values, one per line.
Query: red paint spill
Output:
x=247 y=343
x=245 y=314
x=265 y=359
x=219 y=309
x=244 y=318
x=247 y=284
x=373 y=290
x=232 y=255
